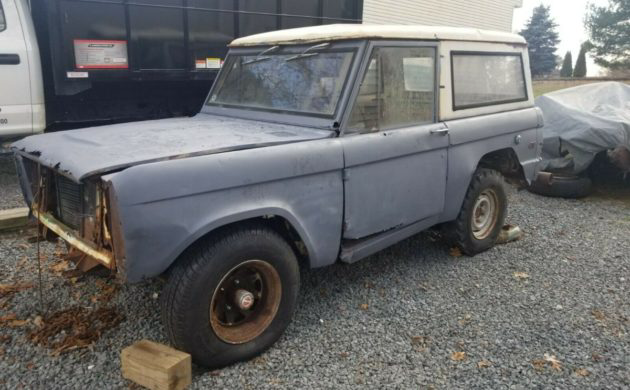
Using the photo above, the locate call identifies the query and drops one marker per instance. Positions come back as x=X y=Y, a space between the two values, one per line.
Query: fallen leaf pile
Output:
x=75 y=328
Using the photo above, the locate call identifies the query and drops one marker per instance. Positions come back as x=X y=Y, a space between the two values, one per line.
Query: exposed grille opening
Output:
x=69 y=203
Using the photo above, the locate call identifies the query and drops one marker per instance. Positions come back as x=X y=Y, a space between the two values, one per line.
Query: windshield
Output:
x=309 y=82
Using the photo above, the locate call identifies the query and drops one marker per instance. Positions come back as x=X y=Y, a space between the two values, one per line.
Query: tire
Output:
x=561 y=186
x=487 y=186
x=198 y=313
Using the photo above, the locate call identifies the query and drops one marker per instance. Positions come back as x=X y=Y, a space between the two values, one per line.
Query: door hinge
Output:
x=345 y=175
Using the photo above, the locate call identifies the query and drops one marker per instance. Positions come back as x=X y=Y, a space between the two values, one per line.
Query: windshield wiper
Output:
x=259 y=56
x=306 y=52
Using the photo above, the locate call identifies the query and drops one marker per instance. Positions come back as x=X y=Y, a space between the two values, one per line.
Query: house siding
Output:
x=483 y=14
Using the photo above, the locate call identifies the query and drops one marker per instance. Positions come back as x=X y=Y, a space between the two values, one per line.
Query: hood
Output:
x=96 y=150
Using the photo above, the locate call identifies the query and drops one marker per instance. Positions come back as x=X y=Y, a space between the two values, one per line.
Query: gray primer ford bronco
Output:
x=315 y=145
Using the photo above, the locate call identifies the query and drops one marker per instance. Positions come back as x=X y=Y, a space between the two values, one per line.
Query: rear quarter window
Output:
x=484 y=79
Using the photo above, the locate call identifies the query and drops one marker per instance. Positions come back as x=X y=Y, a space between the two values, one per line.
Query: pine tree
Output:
x=580 y=64
x=609 y=31
x=567 y=65
x=542 y=38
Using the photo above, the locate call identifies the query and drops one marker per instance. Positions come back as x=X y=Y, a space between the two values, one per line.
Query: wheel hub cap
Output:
x=244 y=299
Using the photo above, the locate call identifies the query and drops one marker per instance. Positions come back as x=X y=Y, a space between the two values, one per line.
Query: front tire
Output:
x=482 y=214
x=231 y=297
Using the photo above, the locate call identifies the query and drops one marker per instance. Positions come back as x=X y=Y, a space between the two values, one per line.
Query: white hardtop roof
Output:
x=336 y=32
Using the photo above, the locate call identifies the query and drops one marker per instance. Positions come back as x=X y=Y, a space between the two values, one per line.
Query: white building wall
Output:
x=484 y=14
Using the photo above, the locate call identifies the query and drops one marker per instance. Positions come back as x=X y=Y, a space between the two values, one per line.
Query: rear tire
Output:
x=482 y=214
x=207 y=304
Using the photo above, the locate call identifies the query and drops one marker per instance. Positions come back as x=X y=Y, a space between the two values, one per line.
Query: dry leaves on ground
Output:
x=364 y=306
x=582 y=372
x=521 y=275
x=75 y=328
x=61 y=266
x=598 y=314
x=455 y=252
x=108 y=291
x=484 y=364
x=11 y=321
x=8 y=289
x=553 y=361
x=458 y=356
x=539 y=364
x=7 y=318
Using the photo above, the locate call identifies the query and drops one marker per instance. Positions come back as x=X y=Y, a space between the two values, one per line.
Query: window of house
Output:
x=3 y=24
x=398 y=90
x=481 y=79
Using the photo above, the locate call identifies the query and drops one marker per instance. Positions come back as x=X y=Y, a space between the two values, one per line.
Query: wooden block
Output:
x=156 y=366
x=13 y=218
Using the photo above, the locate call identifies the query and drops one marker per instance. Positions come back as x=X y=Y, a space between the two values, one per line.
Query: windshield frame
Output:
x=290 y=117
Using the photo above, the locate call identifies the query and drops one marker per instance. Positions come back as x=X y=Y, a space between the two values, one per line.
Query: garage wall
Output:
x=485 y=14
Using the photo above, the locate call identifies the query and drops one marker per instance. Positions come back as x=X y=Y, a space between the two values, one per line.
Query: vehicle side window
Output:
x=398 y=90
x=481 y=79
x=3 y=23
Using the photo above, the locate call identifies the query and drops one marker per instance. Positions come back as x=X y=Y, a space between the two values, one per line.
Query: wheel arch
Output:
x=506 y=162
x=278 y=220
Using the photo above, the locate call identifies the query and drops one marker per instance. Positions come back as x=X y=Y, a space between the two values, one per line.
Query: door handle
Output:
x=9 y=59
x=441 y=131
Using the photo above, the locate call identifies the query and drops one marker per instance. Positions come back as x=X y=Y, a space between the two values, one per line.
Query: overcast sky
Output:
x=569 y=15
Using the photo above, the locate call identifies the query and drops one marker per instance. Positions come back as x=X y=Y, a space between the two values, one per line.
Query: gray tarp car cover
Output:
x=583 y=121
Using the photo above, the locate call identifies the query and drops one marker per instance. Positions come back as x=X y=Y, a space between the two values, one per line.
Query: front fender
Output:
x=165 y=207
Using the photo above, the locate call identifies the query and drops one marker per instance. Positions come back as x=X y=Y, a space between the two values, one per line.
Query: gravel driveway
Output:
x=551 y=310
x=10 y=195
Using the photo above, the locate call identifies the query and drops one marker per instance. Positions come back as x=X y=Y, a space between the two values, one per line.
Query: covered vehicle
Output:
x=581 y=122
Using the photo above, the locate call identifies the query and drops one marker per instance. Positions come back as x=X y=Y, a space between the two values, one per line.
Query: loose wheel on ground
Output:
x=561 y=186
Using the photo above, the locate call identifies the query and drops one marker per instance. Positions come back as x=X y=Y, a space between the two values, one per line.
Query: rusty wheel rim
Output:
x=245 y=302
x=485 y=214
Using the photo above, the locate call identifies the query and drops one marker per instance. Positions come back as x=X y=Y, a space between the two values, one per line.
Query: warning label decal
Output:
x=100 y=54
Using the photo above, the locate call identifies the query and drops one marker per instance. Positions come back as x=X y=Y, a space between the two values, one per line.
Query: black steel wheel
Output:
x=231 y=297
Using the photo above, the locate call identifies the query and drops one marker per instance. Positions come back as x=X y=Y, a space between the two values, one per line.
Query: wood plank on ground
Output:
x=156 y=366
x=13 y=218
